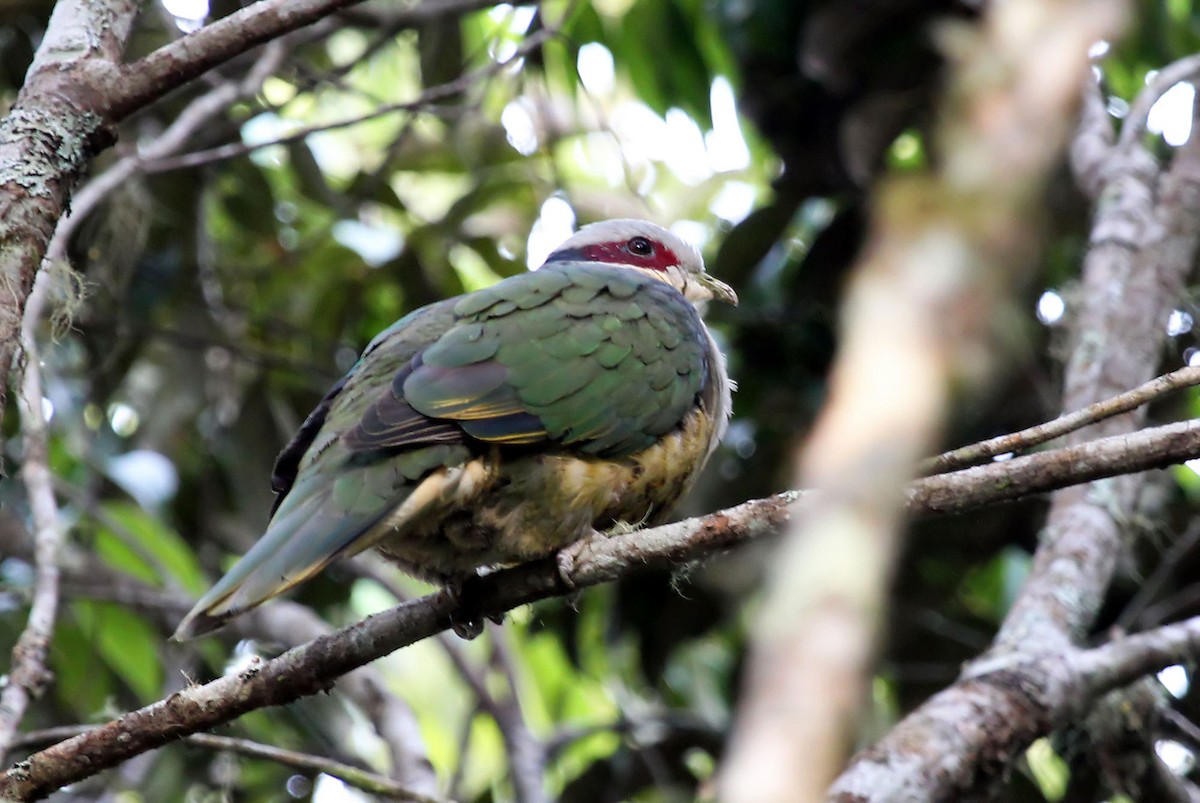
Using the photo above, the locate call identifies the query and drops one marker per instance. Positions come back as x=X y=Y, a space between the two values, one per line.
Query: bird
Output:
x=504 y=424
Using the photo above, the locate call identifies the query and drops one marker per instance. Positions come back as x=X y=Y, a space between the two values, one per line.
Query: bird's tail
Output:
x=300 y=541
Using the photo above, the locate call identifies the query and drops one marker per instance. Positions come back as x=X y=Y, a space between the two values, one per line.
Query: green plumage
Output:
x=446 y=444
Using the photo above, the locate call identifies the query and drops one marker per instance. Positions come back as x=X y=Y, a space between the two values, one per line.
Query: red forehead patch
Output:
x=660 y=257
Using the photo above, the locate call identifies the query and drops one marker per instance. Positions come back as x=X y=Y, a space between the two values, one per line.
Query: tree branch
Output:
x=947 y=248
x=1143 y=244
x=28 y=675
x=189 y=57
x=354 y=776
x=76 y=92
x=1064 y=424
x=52 y=130
x=431 y=95
x=197 y=114
x=315 y=666
x=996 y=710
x=285 y=622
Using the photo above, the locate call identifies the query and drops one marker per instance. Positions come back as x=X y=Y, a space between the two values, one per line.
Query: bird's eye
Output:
x=640 y=246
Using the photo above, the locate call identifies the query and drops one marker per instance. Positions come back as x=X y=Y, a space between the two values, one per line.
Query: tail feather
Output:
x=297 y=545
x=329 y=515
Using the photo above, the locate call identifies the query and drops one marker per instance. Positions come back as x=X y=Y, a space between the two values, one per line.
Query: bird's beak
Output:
x=715 y=288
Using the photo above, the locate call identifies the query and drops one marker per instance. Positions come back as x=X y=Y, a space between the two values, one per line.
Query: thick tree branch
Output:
x=56 y=124
x=998 y=708
x=315 y=666
x=947 y=248
x=1143 y=245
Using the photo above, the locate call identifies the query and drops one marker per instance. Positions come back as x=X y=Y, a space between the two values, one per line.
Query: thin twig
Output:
x=29 y=675
x=462 y=755
x=1153 y=584
x=526 y=753
x=1035 y=435
x=1134 y=126
x=425 y=99
x=1184 y=726
x=1187 y=597
x=195 y=115
x=178 y=62
x=354 y=776
x=363 y=779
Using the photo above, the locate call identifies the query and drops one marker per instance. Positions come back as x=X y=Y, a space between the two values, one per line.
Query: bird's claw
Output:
x=467 y=629
x=466 y=625
x=567 y=559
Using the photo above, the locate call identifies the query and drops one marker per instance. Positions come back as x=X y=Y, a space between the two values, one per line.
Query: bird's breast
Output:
x=509 y=509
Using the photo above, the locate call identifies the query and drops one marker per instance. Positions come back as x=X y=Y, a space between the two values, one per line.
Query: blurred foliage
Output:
x=223 y=297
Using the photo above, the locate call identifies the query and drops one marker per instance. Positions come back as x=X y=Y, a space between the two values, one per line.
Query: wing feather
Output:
x=594 y=357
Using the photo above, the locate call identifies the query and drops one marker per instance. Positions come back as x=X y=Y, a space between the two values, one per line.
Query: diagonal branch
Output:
x=430 y=96
x=1064 y=424
x=999 y=709
x=316 y=665
x=1143 y=244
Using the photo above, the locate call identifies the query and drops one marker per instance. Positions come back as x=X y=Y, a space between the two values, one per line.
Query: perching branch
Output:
x=315 y=666
x=286 y=623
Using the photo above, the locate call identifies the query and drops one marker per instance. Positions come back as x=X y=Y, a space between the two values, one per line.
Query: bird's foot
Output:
x=465 y=621
x=567 y=560
x=466 y=629
x=464 y=625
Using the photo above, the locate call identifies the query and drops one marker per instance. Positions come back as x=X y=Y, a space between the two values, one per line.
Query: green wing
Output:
x=602 y=359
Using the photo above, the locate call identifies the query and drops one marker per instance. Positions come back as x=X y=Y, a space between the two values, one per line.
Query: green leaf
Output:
x=126 y=642
x=80 y=684
x=137 y=542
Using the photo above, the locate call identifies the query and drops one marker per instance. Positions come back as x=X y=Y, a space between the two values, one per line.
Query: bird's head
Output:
x=648 y=248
